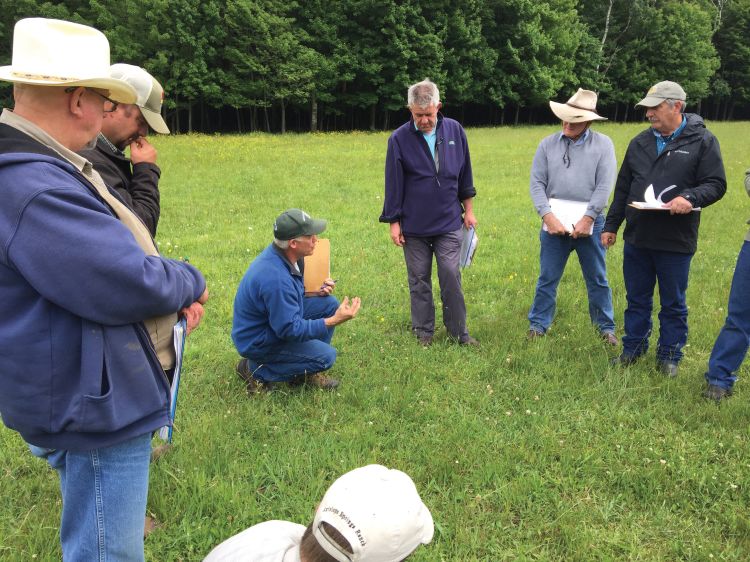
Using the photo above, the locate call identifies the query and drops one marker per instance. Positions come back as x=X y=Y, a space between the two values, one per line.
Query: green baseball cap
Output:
x=662 y=91
x=296 y=222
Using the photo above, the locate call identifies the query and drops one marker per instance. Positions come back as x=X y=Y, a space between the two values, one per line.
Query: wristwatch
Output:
x=690 y=198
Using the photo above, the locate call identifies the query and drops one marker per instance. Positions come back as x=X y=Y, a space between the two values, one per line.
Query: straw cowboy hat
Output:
x=581 y=107
x=49 y=52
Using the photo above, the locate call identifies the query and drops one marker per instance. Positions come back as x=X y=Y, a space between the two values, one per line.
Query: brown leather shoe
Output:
x=149 y=526
x=425 y=341
x=160 y=450
x=470 y=342
x=253 y=385
x=610 y=339
x=535 y=334
x=319 y=380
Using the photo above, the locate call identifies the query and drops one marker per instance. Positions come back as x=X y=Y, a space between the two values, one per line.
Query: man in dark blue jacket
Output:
x=283 y=335
x=429 y=191
x=87 y=305
x=679 y=162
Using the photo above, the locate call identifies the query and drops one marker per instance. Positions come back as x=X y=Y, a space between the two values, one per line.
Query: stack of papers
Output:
x=653 y=203
x=568 y=213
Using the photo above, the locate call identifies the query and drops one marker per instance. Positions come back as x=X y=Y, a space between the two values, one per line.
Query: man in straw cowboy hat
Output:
x=677 y=161
x=571 y=178
x=136 y=179
x=87 y=304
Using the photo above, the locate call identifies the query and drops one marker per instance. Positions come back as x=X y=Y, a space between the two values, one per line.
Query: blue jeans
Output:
x=288 y=360
x=104 y=495
x=731 y=346
x=553 y=256
x=641 y=270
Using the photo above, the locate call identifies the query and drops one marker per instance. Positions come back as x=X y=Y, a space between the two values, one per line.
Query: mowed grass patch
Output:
x=522 y=450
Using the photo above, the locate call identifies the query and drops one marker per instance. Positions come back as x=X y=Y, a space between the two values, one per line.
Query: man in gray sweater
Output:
x=571 y=178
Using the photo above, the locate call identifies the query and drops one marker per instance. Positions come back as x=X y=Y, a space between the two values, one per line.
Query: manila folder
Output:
x=318 y=266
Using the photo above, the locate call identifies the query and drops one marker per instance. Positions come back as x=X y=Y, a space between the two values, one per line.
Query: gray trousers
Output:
x=418 y=252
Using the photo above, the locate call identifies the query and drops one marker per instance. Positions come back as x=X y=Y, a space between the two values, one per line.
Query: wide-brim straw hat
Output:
x=48 y=52
x=581 y=107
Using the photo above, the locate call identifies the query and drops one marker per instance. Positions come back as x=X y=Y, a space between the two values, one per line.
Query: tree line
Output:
x=307 y=65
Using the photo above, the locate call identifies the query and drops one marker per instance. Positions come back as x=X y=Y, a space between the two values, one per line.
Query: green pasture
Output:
x=522 y=450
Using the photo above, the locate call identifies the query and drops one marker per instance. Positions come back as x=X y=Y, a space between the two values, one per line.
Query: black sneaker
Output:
x=624 y=360
x=667 y=368
x=716 y=393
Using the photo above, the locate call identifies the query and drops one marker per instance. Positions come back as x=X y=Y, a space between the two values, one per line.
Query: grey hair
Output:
x=284 y=244
x=423 y=94
x=671 y=102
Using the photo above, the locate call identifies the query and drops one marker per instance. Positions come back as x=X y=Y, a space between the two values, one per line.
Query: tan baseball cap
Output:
x=150 y=93
x=665 y=90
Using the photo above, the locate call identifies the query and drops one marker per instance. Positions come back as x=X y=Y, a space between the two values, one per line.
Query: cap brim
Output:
x=316 y=226
x=573 y=115
x=119 y=91
x=154 y=120
x=649 y=101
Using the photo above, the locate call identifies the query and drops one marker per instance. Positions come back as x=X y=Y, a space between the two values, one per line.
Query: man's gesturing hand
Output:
x=345 y=311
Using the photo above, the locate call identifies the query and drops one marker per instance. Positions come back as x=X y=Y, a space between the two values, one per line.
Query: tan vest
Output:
x=160 y=329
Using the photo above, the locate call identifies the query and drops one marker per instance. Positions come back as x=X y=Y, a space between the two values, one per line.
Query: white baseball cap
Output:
x=149 y=91
x=378 y=510
x=49 y=52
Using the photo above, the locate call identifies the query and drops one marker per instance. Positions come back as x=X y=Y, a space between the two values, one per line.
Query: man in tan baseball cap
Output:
x=678 y=162
x=136 y=179
x=84 y=294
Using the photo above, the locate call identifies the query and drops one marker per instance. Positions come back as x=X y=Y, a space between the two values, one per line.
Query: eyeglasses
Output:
x=113 y=104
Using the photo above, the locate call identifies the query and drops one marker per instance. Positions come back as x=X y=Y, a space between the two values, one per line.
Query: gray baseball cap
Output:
x=662 y=91
x=293 y=223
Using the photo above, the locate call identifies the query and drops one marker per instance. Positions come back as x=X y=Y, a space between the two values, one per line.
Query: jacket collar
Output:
x=413 y=127
x=299 y=270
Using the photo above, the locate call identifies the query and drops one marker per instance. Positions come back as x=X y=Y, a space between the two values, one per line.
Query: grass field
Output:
x=522 y=450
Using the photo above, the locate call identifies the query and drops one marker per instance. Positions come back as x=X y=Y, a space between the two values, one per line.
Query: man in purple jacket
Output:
x=429 y=191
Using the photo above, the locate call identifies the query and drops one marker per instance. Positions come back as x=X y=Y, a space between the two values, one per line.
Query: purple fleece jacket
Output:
x=425 y=200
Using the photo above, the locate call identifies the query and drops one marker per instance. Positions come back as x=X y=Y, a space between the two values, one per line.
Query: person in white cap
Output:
x=572 y=175
x=84 y=294
x=371 y=514
x=136 y=179
x=679 y=162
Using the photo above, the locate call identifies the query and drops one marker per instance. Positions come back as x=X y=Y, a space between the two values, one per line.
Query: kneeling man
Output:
x=282 y=334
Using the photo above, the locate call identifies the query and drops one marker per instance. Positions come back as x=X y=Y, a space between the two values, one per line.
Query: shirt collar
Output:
x=40 y=135
x=581 y=139
x=674 y=134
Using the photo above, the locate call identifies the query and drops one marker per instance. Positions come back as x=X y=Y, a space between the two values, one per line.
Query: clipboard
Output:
x=317 y=266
